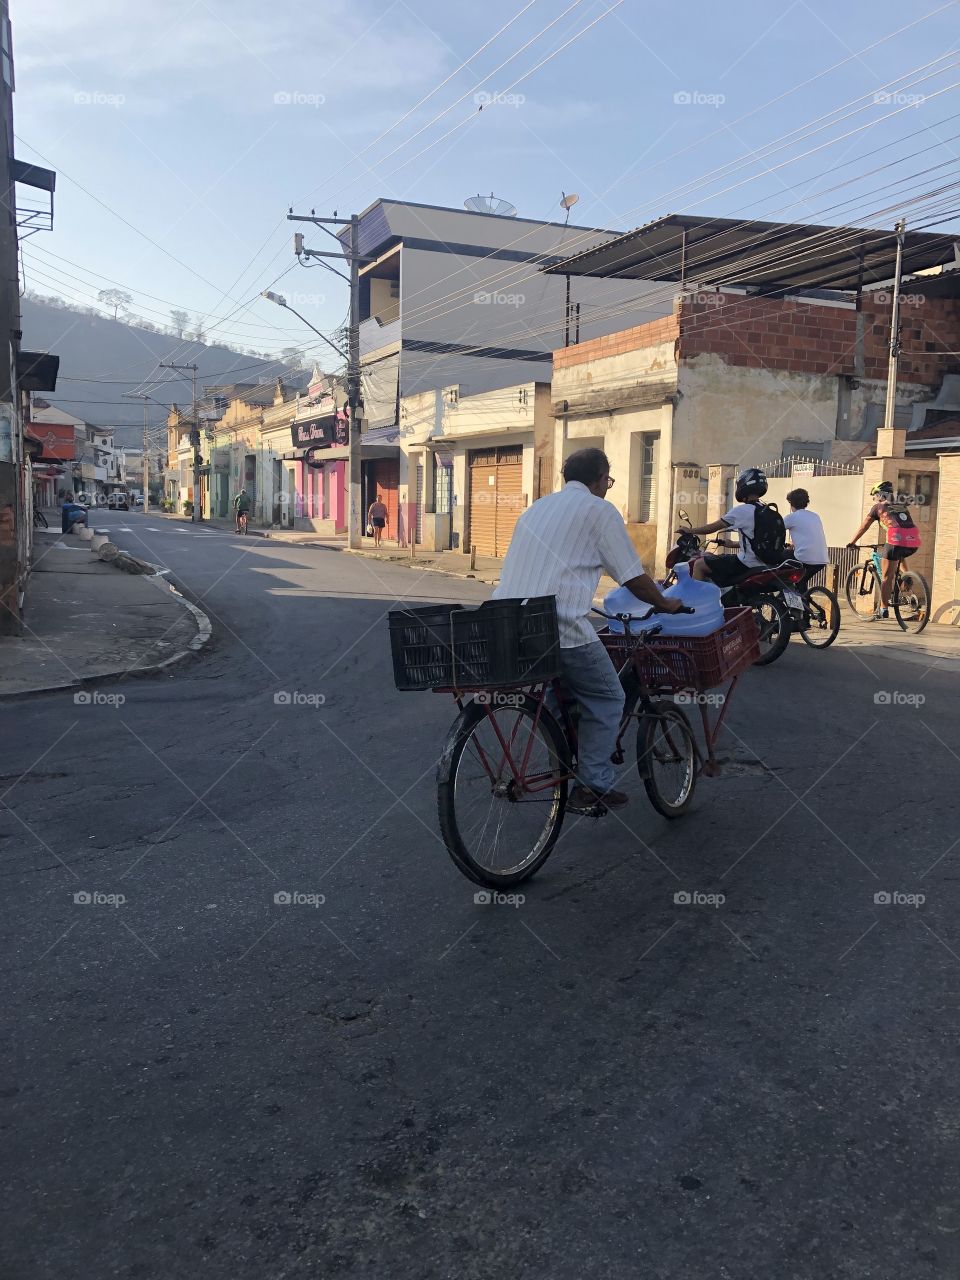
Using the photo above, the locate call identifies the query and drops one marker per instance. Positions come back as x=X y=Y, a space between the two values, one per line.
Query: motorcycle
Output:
x=771 y=592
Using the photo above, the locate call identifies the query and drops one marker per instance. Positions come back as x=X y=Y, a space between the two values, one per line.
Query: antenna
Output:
x=491 y=204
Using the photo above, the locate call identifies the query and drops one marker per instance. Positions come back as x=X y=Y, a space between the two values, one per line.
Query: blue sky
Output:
x=191 y=125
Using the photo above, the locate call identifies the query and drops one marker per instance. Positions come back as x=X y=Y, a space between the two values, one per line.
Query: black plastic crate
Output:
x=421 y=643
x=506 y=642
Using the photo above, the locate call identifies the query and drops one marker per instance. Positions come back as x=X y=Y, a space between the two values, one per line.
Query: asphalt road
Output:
x=602 y=1082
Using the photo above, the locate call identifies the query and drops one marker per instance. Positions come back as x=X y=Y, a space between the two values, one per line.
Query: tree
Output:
x=115 y=298
x=199 y=332
x=180 y=321
x=292 y=357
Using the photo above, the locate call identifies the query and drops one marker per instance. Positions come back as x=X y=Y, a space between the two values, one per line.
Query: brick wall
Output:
x=651 y=334
x=807 y=337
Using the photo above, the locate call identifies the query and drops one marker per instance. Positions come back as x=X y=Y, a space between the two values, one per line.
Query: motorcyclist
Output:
x=726 y=570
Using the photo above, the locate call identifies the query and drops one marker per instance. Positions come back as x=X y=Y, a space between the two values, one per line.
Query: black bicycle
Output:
x=819 y=624
x=910 y=598
x=39 y=519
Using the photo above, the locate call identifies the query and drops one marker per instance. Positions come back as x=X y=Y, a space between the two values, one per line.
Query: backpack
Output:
x=769 y=541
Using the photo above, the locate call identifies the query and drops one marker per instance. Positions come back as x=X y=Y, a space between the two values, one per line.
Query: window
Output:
x=649 y=458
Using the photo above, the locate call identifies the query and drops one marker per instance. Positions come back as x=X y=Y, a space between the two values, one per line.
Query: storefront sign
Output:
x=319 y=432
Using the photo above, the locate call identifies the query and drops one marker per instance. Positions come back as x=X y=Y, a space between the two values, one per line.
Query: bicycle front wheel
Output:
x=499 y=817
x=667 y=759
x=863 y=590
x=822 y=621
x=911 y=601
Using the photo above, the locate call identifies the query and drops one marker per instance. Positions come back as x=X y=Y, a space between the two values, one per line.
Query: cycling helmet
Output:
x=885 y=486
x=751 y=483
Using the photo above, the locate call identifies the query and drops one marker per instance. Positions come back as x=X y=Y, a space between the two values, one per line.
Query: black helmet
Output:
x=751 y=483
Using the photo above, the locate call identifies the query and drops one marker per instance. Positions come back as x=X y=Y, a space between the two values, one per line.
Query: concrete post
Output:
x=718 y=482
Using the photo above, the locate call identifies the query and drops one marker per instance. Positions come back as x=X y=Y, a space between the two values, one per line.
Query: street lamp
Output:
x=281 y=301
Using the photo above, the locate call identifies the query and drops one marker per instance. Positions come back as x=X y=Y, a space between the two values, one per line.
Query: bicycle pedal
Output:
x=597 y=810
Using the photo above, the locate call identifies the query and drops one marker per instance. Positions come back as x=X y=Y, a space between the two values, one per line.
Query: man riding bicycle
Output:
x=241 y=506
x=903 y=538
x=560 y=546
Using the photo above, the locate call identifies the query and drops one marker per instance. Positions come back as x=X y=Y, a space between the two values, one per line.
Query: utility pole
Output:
x=893 y=366
x=196 y=514
x=140 y=395
x=354 y=398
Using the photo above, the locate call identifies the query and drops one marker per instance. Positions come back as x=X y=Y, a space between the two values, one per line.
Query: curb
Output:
x=154 y=574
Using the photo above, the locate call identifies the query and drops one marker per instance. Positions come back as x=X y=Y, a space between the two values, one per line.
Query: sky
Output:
x=182 y=130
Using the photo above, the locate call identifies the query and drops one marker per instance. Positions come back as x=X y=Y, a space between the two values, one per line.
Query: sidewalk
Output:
x=86 y=621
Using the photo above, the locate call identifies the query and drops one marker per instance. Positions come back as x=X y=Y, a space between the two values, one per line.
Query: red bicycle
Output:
x=510 y=755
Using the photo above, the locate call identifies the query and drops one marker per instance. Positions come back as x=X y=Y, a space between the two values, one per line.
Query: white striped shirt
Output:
x=560 y=546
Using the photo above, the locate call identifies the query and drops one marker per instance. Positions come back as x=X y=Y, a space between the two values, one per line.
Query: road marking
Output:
x=150 y=529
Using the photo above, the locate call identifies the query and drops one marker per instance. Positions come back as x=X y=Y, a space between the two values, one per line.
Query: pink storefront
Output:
x=321 y=474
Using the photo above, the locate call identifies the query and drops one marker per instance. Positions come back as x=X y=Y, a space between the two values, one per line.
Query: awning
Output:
x=473 y=437
x=768 y=254
x=37 y=370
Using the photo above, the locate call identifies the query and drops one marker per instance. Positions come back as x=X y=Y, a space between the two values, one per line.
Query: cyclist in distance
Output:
x=241 y=506
x=560 y=547
x=892 y=513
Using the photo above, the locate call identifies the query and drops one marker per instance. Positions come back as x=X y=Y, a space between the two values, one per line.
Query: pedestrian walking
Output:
x=377 y=519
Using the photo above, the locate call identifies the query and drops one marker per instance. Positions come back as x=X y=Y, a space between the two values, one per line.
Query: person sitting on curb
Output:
x=71 y=513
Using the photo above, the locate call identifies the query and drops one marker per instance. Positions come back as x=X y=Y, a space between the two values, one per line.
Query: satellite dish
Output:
x=568 y=201
x=491 y=204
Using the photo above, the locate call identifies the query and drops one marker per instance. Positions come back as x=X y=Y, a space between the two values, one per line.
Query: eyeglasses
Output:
x=610 y=482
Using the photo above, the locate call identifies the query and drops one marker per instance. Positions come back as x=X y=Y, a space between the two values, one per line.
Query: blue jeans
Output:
x=591 y=677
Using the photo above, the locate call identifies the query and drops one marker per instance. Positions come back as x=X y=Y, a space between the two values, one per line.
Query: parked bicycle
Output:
x=511 y=753
x=910 y=598
x=39 y=519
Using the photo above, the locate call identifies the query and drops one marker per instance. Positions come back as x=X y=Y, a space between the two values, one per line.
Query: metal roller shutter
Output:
x=496 y=498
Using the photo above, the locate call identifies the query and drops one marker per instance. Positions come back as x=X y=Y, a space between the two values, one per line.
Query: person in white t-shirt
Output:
x=726 y=570
x=806 y=533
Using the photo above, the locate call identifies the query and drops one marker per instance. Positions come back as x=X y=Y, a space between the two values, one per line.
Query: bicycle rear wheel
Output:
x=822 y=621
x=667 y=759
x=863 y=590
x=499 y=830
x=911 y=601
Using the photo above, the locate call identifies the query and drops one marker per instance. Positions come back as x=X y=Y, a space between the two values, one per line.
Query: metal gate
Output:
x=419 y=507
x=496 y=498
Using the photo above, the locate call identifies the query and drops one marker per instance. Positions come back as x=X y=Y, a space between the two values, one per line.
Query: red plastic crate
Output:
x=673 y=663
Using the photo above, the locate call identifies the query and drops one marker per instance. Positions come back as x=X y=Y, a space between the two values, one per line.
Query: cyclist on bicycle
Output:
x=806 y=533
x=560 y=547
x=241 y=506
x=903 y=538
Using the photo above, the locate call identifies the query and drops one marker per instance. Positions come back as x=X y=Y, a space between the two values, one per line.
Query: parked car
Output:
x=138 y=501
x=118 y=502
